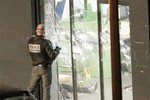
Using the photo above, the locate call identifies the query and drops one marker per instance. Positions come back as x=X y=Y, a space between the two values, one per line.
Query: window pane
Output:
x=85 y=49
x=106 y=50
x=63 y=39
x=125 y=53
x=57 y=27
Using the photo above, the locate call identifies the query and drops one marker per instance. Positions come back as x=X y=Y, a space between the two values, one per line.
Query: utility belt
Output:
x=35 y=63
x=44 y=64
x=40 y=65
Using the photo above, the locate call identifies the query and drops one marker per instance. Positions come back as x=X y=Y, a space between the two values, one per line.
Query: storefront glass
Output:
x=79 y=40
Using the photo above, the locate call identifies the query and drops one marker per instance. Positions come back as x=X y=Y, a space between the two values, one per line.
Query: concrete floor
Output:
x=127 y=93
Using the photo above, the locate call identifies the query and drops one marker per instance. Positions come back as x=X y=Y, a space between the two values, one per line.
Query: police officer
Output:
x=42 y=55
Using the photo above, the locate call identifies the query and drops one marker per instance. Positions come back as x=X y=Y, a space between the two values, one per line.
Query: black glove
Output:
x=57 y=48
x=56 y=52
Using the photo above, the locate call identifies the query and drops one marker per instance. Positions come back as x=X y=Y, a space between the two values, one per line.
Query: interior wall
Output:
x=139 y=25
x=15 y=28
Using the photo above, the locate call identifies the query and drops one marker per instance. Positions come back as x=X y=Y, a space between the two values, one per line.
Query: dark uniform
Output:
x=42 y=55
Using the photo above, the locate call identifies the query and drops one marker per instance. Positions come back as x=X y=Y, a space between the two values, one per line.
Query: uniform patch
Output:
x=34 y=48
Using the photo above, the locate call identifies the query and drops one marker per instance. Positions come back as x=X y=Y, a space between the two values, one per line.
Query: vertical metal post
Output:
x=100 y=51
x=115 y=51
x=34 y=23
x=36 y=17
x=38 y=11
x=38 y=20
x=74 y=72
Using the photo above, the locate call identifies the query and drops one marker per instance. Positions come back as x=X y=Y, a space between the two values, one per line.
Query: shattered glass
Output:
x=85 y=48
